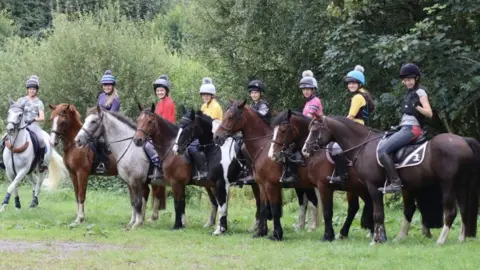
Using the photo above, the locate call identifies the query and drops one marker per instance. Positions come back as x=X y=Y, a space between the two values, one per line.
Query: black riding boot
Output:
x=395 y=182
x=341 y=170
x=41 y=161
x=102 y=156
x=246 y=175
x=201 y=164
x=156 y=178
x=290 y=175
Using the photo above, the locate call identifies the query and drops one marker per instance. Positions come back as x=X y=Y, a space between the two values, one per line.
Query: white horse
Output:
x=19 y=156
x=132 y=161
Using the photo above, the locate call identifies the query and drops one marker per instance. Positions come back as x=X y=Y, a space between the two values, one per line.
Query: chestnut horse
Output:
x=449 y=161
x=292 y=127
x=79 y=161
x=257 y=135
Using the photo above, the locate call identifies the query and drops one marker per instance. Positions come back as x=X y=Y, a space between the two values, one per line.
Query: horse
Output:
x=292 y=127
x=132 y=161
x=257 y=135
x=447 y=161
x=177 y=171
x=201 y=126
x=80 y=161
x=21 y=156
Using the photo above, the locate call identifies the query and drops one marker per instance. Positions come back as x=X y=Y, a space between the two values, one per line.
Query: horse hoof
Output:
x=219 y=231
x=428 y=235
x=373 y=243
x=3 y=208
x=79 y=220
x=259 y=234
x=177 y=227
x=341 y=236
x=208 y=224
x=275 y=238
x=368 y=235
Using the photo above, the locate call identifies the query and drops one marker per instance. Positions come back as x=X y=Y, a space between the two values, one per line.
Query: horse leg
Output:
x=17 y=199
x=263 y=213
x=274 y=193
x=12 y=187
x=82 y=183
x=326 y=195
x=462 y=203
x=178 y=191
x=450 y=211
x=213 y=212
x=132 y=219
x=353 y=207
x=380 y=234
x=256 y=194
x=73 y=177
x=302 y=211
x=155 y=202
x=312 y=207
x=408 y=211
x=366 y=221
x=38 y=179
x=138 y=204
x=222 y=194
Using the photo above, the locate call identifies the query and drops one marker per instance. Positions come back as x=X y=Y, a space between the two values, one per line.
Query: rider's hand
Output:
x=29 y=122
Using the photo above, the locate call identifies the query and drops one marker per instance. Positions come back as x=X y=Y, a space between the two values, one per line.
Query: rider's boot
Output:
x=395 y=182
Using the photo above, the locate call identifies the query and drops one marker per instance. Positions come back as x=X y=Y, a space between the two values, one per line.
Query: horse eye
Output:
x=94 y=122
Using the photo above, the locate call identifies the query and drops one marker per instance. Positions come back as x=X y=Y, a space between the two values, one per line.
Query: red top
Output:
x=166 y=109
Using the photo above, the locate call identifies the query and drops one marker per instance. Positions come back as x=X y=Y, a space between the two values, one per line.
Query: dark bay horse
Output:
x=196 y=125
x=257 y=136
x=292 y=127
x=79 y=161
x=177 y=171
x=450 y=162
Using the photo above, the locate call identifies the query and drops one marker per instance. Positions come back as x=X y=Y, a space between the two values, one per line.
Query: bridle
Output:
x=61 y=135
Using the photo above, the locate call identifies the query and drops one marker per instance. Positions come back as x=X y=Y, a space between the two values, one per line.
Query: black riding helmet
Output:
x=410 y=71
x=256 y=85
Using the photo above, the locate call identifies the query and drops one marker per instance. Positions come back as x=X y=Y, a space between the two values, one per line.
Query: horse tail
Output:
x=472 y=187
x=56 y=170
x=430 y=204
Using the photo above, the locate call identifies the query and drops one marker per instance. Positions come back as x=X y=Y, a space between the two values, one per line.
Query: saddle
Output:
x=411 y=154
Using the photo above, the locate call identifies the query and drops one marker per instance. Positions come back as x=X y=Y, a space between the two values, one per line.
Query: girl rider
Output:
x=361 y=107
x=313 y=106
x=213 y=109
x=415 y=108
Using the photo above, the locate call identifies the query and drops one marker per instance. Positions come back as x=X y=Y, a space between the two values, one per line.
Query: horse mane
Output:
x=172 y=128
x=354 y=125
x=71 y=109
x=204 y=118
x=122 y=118
x=283 y=117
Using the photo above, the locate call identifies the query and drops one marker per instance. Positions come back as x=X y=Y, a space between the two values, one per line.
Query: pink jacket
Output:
x=313 y=106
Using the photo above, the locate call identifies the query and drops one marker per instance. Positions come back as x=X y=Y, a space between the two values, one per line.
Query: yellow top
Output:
x=213 y=109
x=358 y=101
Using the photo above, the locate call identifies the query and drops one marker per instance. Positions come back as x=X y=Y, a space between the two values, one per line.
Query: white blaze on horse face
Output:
x=175 y=146
x=53 y=135
x=270 y=151
x=304 y=148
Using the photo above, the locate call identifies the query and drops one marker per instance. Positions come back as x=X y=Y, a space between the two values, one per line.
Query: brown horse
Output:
x=257 y=135
x=79 y=161
x=292 y=127
x=176 y=170
x=449 y=162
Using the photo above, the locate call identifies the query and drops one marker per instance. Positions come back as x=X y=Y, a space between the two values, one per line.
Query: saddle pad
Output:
x=413 y=159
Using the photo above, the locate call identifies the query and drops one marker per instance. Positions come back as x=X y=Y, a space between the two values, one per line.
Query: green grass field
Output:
x=42 y=238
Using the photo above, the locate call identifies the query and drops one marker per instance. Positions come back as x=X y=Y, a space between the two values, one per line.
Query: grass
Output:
x=42 y=238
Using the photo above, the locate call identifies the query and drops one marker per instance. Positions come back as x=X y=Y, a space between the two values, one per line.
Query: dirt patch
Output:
x=21 y=246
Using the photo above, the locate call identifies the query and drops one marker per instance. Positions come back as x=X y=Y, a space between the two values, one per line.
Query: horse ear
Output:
x=153 y=108
x=11 y=102
x=183 y=109
x=52 y=107
x=289 y=114
x=230 y=101
x=68 y=107
x=242 y=104
x=99 y=110
x=140 y=106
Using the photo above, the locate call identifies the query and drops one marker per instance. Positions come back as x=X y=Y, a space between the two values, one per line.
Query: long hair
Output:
x=111 y=97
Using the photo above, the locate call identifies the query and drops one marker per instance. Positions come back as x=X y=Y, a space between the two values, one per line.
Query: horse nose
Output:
x=138 y=141
x=305 y=152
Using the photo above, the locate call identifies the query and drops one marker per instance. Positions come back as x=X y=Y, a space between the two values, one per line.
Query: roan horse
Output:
x=450 y=162
x=19 y=158
x=292 y=127
x=79 y=161
x=200 y=126
x=257 y=135
x=132 y=161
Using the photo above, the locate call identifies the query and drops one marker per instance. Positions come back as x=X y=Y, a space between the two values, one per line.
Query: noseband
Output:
x=91 y=135
x=61 y=135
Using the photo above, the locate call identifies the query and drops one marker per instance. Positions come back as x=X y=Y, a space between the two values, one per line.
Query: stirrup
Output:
x=335 y=180
x=392 y=188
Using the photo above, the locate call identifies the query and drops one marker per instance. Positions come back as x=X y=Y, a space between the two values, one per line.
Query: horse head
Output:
x=188 y=131
x=92 y=129
x=285 y=132
x=233 y=121
x=62 y=116
x=15 y=120
x=146 y=125
x=318 y=136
